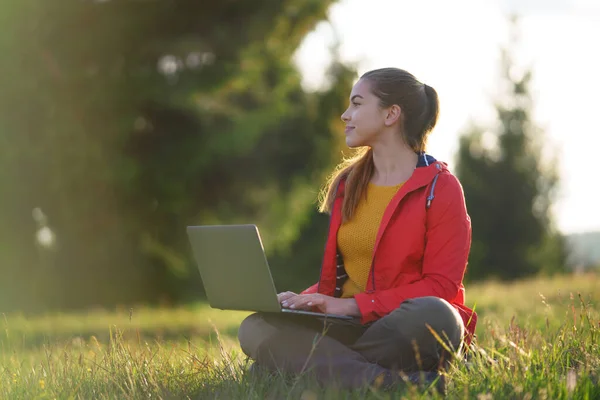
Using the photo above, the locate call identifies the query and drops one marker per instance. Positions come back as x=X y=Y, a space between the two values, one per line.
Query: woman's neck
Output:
x=394 y=162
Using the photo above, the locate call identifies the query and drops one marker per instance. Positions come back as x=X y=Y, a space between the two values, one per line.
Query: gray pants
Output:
x=350 y=353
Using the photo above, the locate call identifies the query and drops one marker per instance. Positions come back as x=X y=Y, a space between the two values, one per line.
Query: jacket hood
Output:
x=425 y=160
x=425 y=172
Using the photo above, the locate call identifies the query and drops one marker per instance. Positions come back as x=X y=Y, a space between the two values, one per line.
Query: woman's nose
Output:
x=345 y=117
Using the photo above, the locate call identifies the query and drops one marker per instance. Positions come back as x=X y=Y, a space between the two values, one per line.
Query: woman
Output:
x=395 y=255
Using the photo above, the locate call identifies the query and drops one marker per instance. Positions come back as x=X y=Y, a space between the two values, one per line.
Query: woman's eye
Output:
x=355 y=103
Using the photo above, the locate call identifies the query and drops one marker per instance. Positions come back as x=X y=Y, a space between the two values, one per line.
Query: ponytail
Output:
x=433 y=110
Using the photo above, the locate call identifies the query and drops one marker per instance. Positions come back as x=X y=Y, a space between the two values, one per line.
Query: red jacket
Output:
x=421 y=247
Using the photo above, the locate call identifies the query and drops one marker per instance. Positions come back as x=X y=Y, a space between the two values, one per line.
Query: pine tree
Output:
x=509 y=186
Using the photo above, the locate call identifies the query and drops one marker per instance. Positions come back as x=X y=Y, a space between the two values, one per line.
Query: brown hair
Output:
x=420 y=108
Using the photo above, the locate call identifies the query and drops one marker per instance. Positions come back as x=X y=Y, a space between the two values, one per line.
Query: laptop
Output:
x=234 y=270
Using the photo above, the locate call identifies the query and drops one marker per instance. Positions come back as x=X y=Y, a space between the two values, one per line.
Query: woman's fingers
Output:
x=289 y=301
x=281 y=297
x=303 y=302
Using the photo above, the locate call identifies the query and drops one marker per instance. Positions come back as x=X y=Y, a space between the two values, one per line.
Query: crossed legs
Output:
x=350 y=353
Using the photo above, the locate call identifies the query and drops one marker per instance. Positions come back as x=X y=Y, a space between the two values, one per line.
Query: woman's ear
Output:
x=393 y=114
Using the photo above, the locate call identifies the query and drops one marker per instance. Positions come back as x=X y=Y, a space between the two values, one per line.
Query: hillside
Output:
x=585 y=249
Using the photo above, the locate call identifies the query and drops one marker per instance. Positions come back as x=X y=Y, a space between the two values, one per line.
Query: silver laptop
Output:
x=234 y=269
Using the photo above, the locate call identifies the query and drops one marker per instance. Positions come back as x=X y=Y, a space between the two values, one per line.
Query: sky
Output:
x=454 y=46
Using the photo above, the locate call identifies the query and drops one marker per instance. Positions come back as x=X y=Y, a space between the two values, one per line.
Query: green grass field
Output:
x=537 y=339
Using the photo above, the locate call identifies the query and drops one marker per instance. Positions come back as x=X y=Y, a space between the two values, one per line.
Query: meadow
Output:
x=536 y=339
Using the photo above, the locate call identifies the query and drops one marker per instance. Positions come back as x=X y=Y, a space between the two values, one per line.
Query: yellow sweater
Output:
x=356 y=238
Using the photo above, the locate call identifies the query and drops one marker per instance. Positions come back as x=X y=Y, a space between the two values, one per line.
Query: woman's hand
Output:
x=282 y=297
x=325 y=304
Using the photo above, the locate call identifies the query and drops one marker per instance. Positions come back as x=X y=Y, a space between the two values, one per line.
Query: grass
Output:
x=537 y=339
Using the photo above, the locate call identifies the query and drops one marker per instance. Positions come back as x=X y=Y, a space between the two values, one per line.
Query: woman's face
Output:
x=364 y=117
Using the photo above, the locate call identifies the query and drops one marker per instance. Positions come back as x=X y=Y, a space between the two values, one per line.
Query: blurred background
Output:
x=122 y=122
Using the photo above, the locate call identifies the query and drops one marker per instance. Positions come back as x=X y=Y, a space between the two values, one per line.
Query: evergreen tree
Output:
x=124 y=121
x=509 y=187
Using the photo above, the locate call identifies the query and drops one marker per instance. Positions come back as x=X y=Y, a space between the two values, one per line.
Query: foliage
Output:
x=509 y=187
x=544 y=330
x=121 y=122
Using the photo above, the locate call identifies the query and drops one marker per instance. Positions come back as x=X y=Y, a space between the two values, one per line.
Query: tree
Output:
x=509 y=187
x=125 y=121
